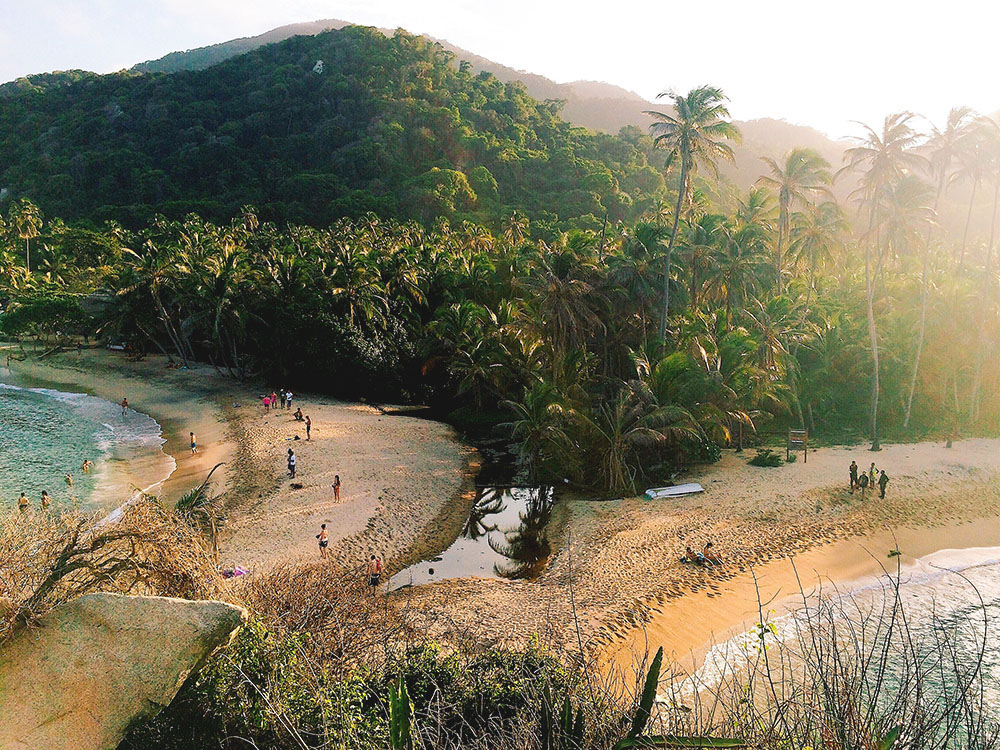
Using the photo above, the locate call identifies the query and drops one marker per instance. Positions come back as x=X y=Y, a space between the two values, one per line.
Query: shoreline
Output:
x=692 y=625
x=408 y=481
x=175 y=407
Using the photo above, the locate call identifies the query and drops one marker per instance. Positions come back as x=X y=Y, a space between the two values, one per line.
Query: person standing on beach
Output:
x=291 y=463
x=124 y=407
x=309 y=426
x=324 y=540
x=854 y=475
x=336 y=486
x=275 y=404
x=872 y=475
x=194 y=444
x=22 y=503
x=883 y=480
x=288 y=400
x=281 y=397
x=374 y=573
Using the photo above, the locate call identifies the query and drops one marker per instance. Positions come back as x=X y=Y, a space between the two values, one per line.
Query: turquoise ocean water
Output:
x=46 y=434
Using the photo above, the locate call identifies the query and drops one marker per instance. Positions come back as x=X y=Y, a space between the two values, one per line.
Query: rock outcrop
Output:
x=89 y=668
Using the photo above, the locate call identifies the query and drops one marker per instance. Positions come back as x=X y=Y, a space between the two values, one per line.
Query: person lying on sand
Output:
x=690 y=556
x=710 y=555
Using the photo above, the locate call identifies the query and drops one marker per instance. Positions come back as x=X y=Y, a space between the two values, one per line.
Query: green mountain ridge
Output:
x=387 y=124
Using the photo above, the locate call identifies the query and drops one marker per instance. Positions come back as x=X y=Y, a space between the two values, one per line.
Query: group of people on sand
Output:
x=277 y=400
x=706 y=557
x=871 y=478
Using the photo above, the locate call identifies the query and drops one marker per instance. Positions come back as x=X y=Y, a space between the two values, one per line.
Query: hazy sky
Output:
x=807 y=61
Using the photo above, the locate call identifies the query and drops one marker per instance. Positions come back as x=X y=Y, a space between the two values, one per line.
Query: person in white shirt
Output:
x=291 y=463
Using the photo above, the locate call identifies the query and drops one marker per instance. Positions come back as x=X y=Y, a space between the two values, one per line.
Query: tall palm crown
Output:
x=947 y=143
x=882 y=158
x=694 y=135
x=803 y=175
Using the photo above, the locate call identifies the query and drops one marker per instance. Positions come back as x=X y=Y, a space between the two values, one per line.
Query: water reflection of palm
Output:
x=487 y=504
x=527 y=547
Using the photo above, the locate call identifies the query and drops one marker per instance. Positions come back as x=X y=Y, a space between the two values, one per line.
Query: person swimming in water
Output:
x=46 y=500
x=69 y=480
x=87 y=465
x=23 y=503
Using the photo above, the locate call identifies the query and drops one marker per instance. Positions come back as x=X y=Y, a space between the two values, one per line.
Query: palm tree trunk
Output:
x=968 y=219
x=782 y=221
x=923 y=305
x=27 y=254
x=872 y=334
x=977 y=380
x=171 y=334
x=681 y=189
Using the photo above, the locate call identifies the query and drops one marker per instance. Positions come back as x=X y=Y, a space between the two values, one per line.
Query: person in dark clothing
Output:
x=883 y=480
x=854 y=475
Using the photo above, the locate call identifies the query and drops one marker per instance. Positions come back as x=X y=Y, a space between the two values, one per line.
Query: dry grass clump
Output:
x=47 y=559
x=346 y=623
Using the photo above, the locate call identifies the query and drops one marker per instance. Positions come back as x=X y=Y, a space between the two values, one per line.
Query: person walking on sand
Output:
x=324 y=540
x=275 y=404
x=267 y=404
x=288 y=400
x=374 y=573
x=291 y=463
x=194 y=444
x=23 y=502
x=309 y=426
x=46 y=500
x=336 y=486
x=883 y=480
x=124 y=407
x=854 y=475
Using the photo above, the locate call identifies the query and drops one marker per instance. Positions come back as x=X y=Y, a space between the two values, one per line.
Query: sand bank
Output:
x=406 y=481
x=623 y=557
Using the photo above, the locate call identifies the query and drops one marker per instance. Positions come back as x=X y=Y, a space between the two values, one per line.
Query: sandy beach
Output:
x=614 y=583
x=630 y=590
x=407 y=482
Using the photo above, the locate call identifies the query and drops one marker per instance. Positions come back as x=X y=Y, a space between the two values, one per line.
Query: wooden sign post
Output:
x=798 y=440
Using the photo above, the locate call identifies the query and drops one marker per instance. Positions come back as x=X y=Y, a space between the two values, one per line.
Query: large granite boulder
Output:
x=89 y=668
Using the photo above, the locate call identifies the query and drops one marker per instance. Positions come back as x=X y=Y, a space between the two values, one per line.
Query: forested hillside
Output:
x=312 y=129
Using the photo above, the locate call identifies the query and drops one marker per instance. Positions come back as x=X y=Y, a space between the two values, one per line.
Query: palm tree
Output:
x=945 y=145
x=817 y=236
x=971 y=157
x=626 y=426
x=881 y=159
x=803 y=175
x=695 y=134
x=990 y=136
x=26 y=220
x=539 y=422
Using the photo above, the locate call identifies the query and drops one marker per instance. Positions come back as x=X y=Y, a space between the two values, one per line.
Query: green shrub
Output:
x=766 y=457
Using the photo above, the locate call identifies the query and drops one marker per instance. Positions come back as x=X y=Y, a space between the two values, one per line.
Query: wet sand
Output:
x=181 y=401
x=623 y=557
x=407 y=482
